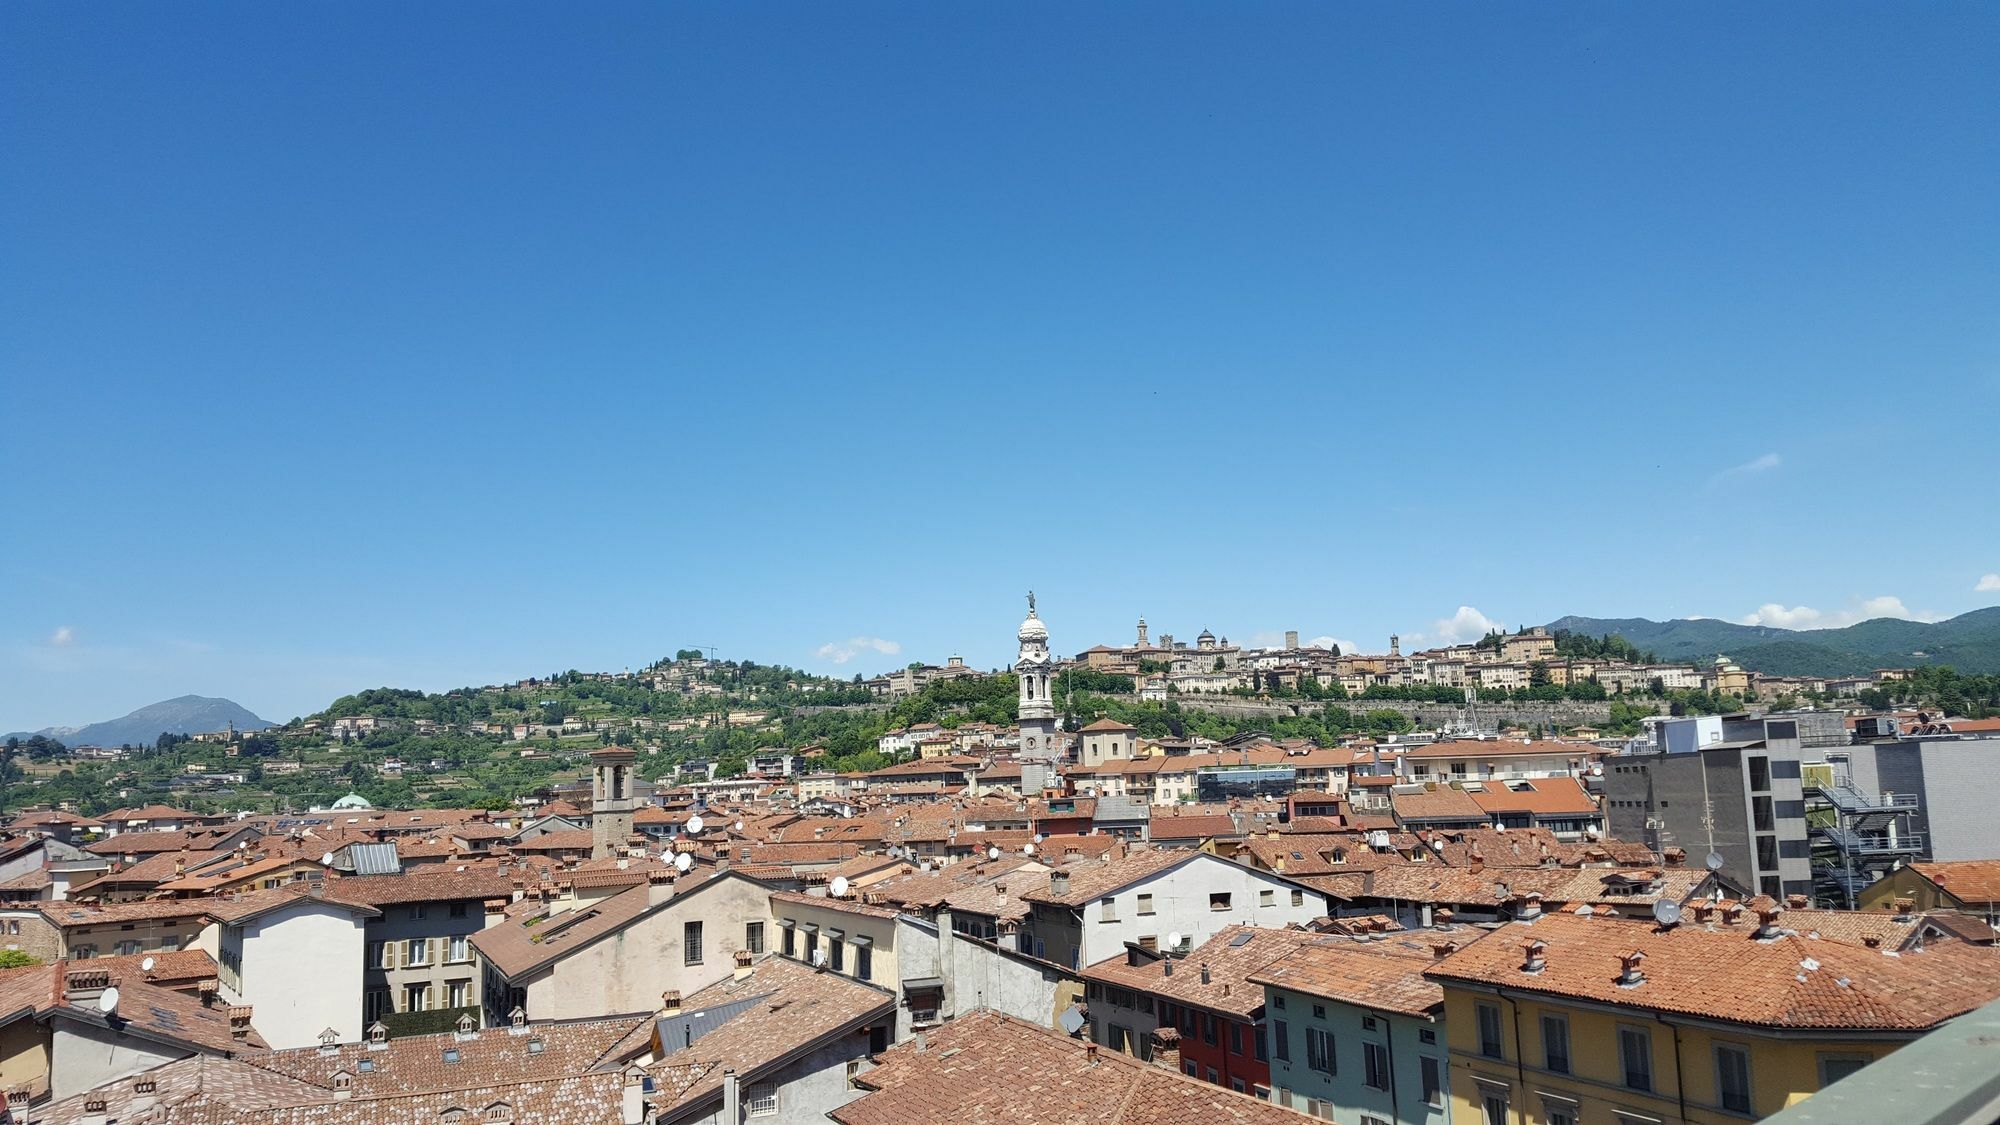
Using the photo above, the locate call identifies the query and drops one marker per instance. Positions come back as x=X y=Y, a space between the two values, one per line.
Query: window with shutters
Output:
x=1319 y=1051
x=417 y=952
x=1375 y=1065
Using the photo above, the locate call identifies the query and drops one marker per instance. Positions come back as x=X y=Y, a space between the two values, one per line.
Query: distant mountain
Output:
x=189 y=714
x=1969 y=642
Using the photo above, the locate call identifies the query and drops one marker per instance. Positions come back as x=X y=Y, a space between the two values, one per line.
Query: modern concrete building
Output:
x=1739 y=799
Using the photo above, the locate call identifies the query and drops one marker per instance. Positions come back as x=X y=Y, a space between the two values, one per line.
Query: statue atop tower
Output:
x=1036 y=672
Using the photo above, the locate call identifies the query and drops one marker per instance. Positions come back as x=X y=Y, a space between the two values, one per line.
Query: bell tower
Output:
x=1036 y=673
x=613 y=799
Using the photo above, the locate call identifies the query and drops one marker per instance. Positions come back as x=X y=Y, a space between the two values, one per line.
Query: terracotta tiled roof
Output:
x=1107 y=724
x=795 y=1007
x=1726 y=973
x=848 y=905
x=1386 y=975
x=1975 y=882
x=1193 y=827
x=67 y=914
x=421 y=885
x=1544 y=796
x=1443 y=803
x=1229 y=958
x=234 y=909
x=1091 y=879
x=417 y=1063
x=986 y=1069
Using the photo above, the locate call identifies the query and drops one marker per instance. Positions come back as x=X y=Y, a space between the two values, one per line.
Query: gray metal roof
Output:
x=678 y=1032
x=374 y=859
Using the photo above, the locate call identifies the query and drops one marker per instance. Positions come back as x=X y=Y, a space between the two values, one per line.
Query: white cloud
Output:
x=1806 y=617
x=1762 y=464
x=1468 y=624
x=1988 y=584
x=840 y=652
x=63 y=637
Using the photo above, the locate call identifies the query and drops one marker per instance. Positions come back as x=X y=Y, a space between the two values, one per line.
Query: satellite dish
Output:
x=326 y=860
x=992 y=851
x=694 y=826
x=682 y=862
x=1714 y=861
x=146 y=966
x=739 y=826
x=1174 y=940
x=1499 y=828
x=107 y=1001
x=819 y=957
x=1666 y=912
x=838 y=886
x=1038 y=837
x=1027 y=849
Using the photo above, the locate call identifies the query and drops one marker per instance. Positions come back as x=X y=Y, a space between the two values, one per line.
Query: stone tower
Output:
x=613 y=799
x=1142 y=634
x=1037 y=673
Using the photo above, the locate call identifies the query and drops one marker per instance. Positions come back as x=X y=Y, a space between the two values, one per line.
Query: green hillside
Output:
x=1969 y=642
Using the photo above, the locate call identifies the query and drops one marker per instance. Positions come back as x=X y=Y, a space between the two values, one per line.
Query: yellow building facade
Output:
x=1686 y=1064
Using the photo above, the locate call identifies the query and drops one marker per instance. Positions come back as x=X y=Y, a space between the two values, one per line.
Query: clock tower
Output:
x=1037 y=673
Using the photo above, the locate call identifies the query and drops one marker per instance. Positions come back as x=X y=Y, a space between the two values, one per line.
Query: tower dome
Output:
x=1032 y=629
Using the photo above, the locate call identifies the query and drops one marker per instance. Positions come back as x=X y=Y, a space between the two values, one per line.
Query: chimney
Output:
x=145 y=1095
x=239 y=1021
x=1167 y=1048
x=343 y=1085
x=742 y=964
x=1797 y=902
x=1204 y=972
x=634 y=1106
x=1442 y=916
x=1090 y=1054
x=670 y=1001
x=1478 y=863
x=17 y=1102
x=1534 y=956
x=1167 y=965
x=93 y=1111
x=1630 y=976
x=1704 y=911
x=1732 y=914
x=1675 y=857
x=1905 y=908
x=1531 y=907
x=1443 y=949
x=80 y=985
x=1059 y=884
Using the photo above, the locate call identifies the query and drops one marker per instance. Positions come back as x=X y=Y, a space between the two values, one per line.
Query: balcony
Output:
x=1848 y=841
x=1849 y=801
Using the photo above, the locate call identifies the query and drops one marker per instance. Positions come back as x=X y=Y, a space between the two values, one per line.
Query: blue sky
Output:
x=360 y=344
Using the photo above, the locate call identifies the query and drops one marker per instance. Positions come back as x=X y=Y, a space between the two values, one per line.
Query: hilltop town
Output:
x=1143 y=882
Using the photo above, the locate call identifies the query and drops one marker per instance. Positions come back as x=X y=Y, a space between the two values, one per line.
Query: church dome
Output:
x=1033 y=630
x=353 y=801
